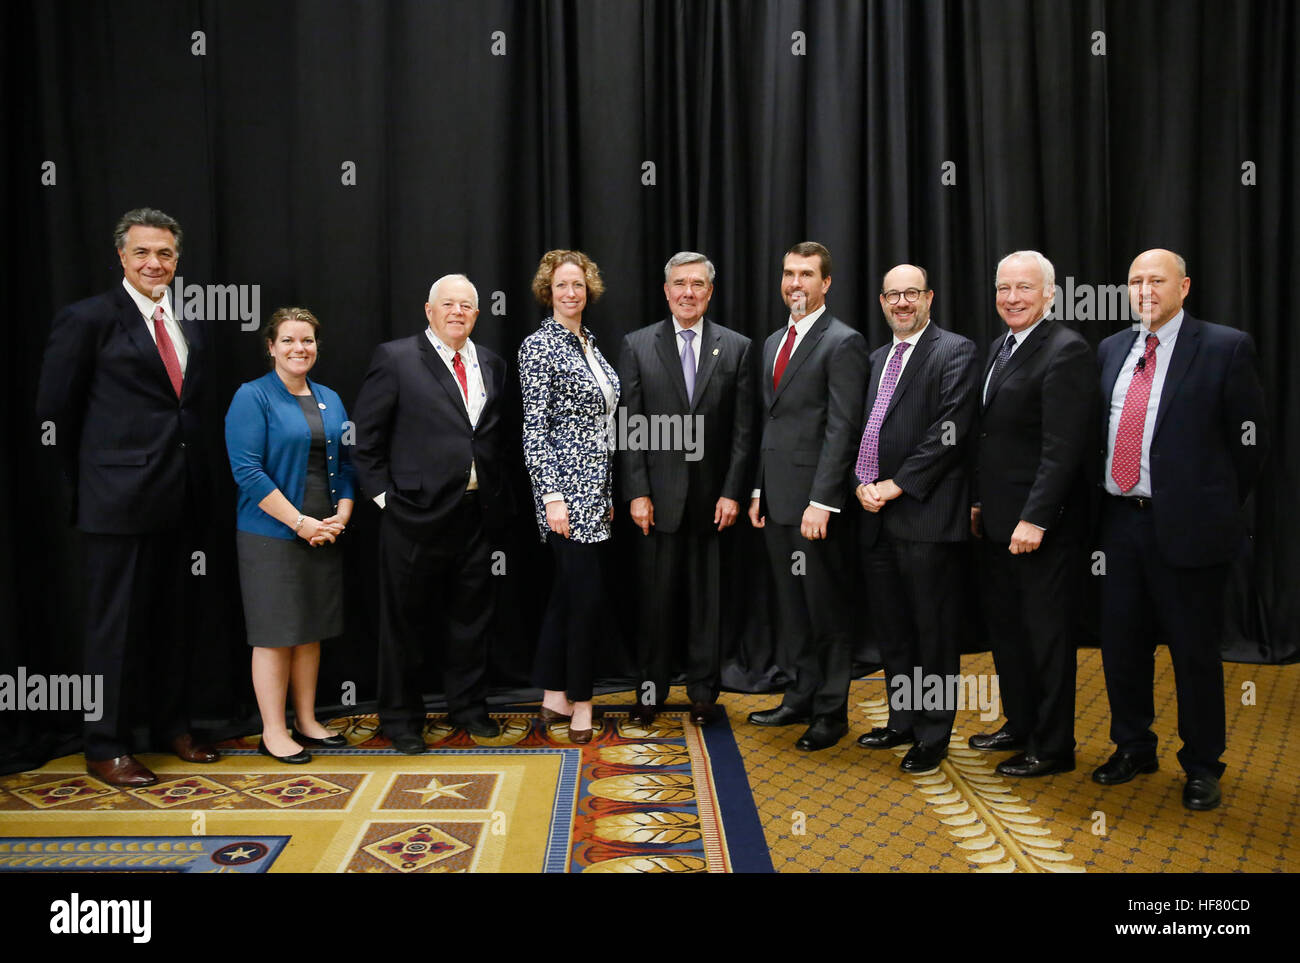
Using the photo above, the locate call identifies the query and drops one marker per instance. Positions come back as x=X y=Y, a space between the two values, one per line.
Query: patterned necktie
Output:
x=167 y=350
x=783 y=359
x=458 y=366
x=1126 y=466
x=688 y=364
x=1000 y=362
x=868 y=466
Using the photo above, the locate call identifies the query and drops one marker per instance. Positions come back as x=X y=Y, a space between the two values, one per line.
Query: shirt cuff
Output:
x=552 y=497
x=825 y=508
x=756 y=493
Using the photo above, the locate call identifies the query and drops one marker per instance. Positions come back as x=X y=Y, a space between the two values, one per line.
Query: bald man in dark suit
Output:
x=1185 y=436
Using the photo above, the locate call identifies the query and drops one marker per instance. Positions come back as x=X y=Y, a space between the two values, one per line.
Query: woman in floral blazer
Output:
x=570 y=394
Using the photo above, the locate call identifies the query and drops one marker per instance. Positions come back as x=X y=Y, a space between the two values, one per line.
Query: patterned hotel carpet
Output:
x=858 y=812
x=664 y=798
x=844 y=809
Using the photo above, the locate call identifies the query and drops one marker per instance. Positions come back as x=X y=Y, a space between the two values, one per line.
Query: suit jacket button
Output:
x=182 y=444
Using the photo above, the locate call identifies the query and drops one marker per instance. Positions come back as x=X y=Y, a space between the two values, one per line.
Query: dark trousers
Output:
x=1142 y=598
x=139 y=594
x=680 y=582
x=912 y=595
x=1029 y=606
x=571 y=628
x=812 y=597
x=441 y=579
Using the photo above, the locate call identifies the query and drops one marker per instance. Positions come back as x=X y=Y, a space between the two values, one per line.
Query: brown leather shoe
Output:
x=120 y=771
x=190 y=751
x=580 y=736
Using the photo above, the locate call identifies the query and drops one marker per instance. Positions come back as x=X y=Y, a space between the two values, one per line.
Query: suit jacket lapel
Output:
x=919 y=351
x=710 y=348
x=1019 y=356
x=1189 y=341
x=666 y=344
x=137 y=329
x=806 y=346
x=432 y=361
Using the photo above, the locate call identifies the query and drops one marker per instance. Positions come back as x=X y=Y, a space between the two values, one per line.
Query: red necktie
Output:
x=783 y=359
x=458 y=366
x=167 y=350
x=1126 y=466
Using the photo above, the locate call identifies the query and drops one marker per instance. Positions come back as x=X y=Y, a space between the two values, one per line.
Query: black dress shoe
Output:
x=1202 y=792
x=780 y=716
x=702 y=713
x=1000 y=741
x=642 y=715
x=408 y=743
x=922 y=758
x=484 y=727
x=294 y=759
x=1023 y=764
x=822 y=734
x=1123 y=766
x=311 y=742
x=883 y=737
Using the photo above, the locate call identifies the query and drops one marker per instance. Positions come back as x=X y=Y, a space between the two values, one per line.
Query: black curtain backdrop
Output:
x=484 y=133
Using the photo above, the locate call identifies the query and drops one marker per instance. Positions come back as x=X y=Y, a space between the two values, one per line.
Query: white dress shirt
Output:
x=698 y=328
x=148 y=307
x=1167 y=335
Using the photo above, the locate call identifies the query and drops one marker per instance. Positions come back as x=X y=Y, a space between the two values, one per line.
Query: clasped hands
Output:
x=316 y=531
x=874 y=495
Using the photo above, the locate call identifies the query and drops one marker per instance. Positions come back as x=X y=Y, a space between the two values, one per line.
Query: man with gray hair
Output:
x=123 y=381
x=434 y=437
x=1029 y=505
x=689 y=381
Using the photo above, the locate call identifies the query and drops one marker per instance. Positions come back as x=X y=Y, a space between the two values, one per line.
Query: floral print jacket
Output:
x=567 y=444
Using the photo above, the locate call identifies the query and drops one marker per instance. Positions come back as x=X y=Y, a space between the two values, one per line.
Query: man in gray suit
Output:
x=911 y=480
x=813 y=378
x=689 y=381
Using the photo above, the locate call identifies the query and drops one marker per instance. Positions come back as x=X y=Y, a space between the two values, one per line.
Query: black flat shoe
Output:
x=1201 y=793
x=1026 y=765
x=780 y=716
x=1123 y=766
x=311 y=742
x=883 y=737
x=297 y=759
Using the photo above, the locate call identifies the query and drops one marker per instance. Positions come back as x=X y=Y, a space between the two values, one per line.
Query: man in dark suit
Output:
x=695 y=377
x=813 y=379
x=433 y=438
x=1030 y=506
x=1184 y=437
x=122 y=381
x=911 y=479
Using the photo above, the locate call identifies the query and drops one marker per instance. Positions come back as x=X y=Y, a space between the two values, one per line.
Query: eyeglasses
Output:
x=911 y=294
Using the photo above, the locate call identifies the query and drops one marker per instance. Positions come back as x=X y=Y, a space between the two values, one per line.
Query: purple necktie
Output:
x=688 y=363
x=868 y=466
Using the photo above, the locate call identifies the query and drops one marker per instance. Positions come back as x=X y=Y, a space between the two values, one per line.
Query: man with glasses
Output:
x=910 y=479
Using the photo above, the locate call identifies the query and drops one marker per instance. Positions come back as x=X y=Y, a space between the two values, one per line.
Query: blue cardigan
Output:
x=268 y=440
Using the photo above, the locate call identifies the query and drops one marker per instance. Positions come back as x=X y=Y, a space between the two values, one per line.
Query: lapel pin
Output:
x=320 y=405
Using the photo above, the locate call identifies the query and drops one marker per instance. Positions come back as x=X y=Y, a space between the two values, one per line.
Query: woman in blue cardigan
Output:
x=284 y=435
x=570 y=393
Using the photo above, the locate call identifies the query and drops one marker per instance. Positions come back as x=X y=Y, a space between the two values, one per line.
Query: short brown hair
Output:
x=808 y=249
x=546 y=268
x=271 y=330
